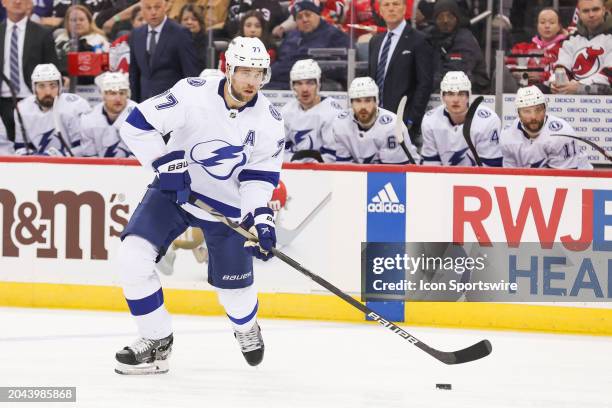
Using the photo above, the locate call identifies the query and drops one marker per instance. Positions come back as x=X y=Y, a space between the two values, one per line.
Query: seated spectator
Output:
x=253 y=24
x=457 y=48
x=61 y=8
x=44 y=111
x=100 y=127
x=191 y=16
x=532 y=139
x=215 y=11
x=586 y=56
x=532 y=63
x=119 y=51
x=312 y=32
x=271 y=10
x=79 y=21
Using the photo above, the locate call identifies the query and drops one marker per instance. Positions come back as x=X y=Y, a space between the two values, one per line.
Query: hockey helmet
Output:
x=46 y=72
x=363 y=87
x=456 y=81
x=248 y=52
x=113 y=81
x=529 y=96
x=305 y=69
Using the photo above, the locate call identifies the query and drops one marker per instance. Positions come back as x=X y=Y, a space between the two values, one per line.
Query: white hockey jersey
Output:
x=6 y=146
x=443 y=142
x=377 y=144
x=101 y=138
x=589 y=60
x=556 y=152
x=234 y=155
x=304 y=129
x=40 y=126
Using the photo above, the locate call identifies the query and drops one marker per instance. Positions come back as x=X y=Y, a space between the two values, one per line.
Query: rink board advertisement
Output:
x=60 y=235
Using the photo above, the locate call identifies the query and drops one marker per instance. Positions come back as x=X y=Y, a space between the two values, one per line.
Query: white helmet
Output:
x=305 y=69
x=113 y=81
x=529 y=96
x=212 y=73
x=456 y=81
x=46 y=72
x=363 y=87
x=248 y=52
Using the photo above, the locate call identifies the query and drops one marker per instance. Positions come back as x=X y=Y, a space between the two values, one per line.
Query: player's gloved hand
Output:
x=173 y=175
x=408 y=123
x=260 y=224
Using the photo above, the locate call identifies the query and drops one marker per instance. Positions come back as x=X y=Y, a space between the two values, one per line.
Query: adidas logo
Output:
x=386 y=201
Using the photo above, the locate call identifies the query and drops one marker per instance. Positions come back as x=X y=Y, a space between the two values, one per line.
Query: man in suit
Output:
x=401 y=62
x=161 y=52
x=23 y=45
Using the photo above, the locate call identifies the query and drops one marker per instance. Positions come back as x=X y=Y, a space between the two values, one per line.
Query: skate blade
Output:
x=157 y=367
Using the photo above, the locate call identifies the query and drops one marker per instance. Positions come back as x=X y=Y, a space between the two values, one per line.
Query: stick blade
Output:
x=399 y=121
x=474 y=352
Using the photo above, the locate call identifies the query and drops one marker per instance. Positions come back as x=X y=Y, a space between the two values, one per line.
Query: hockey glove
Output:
x=262 y=226
x=173 y=175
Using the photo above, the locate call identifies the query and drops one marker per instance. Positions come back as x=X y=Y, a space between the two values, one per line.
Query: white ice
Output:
x=307 y=364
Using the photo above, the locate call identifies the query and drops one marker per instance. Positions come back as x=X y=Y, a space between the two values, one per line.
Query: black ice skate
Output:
x=145 y=356
x=251 y=344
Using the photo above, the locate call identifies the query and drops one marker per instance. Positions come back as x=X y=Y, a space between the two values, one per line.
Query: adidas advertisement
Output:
x=386 y=201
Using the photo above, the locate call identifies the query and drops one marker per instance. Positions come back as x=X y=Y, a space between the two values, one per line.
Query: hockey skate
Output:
x=145 y=356
x=251 y=344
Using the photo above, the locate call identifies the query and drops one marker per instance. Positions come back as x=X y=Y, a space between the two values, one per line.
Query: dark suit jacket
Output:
x=174 y=59
x=38 y=48
x=410 y=72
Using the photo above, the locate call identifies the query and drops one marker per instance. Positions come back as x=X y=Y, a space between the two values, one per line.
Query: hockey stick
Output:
x=399 y=123
x=58 y=128
x=592 y=144
x=467 y=126
x=474 y=352
x=28 y=144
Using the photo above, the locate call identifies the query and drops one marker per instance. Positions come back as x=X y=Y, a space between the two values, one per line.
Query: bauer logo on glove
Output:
x=173 y=175
x=260 y=224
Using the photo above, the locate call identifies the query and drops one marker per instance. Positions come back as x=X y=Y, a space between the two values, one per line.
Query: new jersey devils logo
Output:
x=587 y=62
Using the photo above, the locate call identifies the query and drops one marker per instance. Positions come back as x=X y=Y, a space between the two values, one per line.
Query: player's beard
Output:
x=46 y=102
x=366 y=117
x=241 y=96
x=534 y=126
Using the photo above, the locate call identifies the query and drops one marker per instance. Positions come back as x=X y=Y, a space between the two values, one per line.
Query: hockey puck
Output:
x=444 y=386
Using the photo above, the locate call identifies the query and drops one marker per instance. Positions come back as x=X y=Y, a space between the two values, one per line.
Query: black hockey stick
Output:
x=399 y=123
x=592 y=144
x=474 y=352
x=467 y=126
x=26 y=140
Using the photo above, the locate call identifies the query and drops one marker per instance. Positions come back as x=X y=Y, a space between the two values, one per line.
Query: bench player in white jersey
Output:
x=309 y=115
x=442 y=128
x=42 y=117
x=224 y=147
x=529 y=140
x=100 y=127
x=366 y=132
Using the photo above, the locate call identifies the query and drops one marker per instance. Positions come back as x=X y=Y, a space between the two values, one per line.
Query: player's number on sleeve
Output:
x=170 y=102
x=495 y=137
x=569 y=151
x=391 y=143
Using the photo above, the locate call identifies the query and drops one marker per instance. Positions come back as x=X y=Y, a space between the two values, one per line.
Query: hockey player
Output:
x=224 y=147
x=100 y=134
x=366 y=132
x=442 y=128
x=46 y=111
x=309 y=115
x=529 y=141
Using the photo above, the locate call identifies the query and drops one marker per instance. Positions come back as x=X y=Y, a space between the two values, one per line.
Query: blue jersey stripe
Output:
x=140 y=307
x=137 y=119
x=271 y=177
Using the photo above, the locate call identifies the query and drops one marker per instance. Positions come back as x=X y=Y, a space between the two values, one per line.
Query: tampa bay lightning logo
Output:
x=555 y=126
x=275 y=114
x=218 y=158
x=195 y=81
x=384 y=119
x=343 y=114
x=302 y=135
x=484 y=113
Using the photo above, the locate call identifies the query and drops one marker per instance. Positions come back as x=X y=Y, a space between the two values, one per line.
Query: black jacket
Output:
x=38 y=48
x=409 y=72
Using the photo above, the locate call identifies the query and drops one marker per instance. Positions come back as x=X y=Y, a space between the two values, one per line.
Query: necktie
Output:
x=14 y=59
x=382 y=64
x=152 y=45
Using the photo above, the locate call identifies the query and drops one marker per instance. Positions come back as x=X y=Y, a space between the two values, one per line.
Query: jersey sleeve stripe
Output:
x=431 y=158
x=343 y=159
x=271 y=177
x=495 y=162
x=137 y=119
x=324 y=150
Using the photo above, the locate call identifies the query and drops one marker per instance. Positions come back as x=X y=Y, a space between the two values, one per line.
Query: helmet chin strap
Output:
x=229 y=86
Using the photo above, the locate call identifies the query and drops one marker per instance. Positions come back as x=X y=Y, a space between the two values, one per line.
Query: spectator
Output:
x=523 y=16
x=215 y=11
x=532 y=63
x=61 y=7
x=79 y=22
x=587 y=55
x=401 y=61
x=312 y=32
x=271 y=10
x=253 y=24
x=191 y=17
x=119 y=52
x=161 y=53
x=100 y=134
x=40 y=50
x=456 y=47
